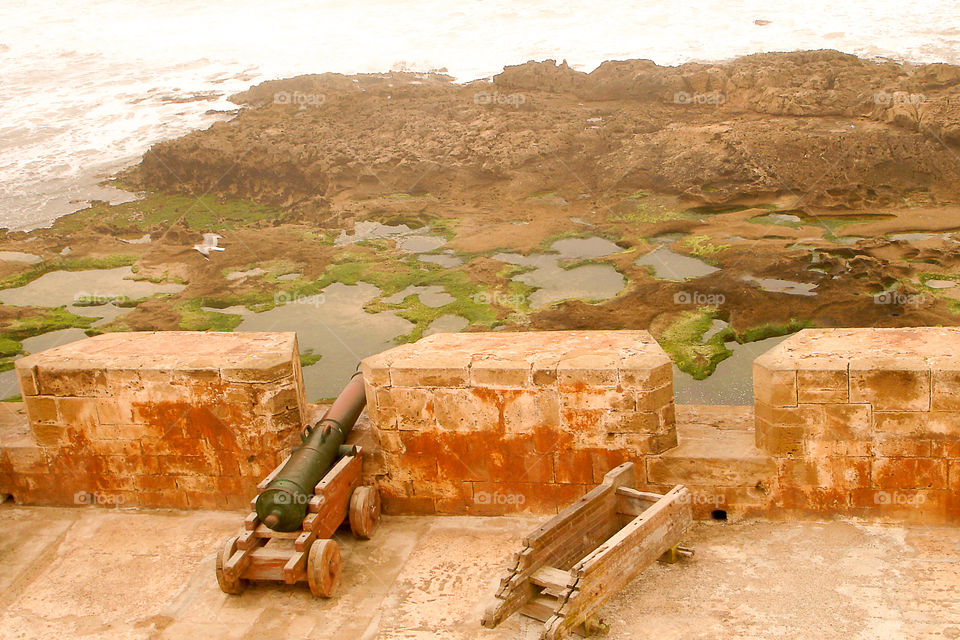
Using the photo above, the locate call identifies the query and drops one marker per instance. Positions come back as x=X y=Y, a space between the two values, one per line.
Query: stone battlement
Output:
x=164 y=419
x=862 y=422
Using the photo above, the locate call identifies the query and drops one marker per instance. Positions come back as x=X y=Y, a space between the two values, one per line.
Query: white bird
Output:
x=209 y=244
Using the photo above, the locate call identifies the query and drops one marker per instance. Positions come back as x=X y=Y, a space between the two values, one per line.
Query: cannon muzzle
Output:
x=282 y=506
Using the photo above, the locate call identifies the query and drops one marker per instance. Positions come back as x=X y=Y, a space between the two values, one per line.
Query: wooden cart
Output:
x=583 y=556
x=260 y=553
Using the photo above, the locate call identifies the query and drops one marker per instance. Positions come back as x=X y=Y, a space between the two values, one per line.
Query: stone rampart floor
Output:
x=110 y=574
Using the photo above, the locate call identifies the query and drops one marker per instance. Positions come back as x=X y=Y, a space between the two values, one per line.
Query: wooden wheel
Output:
x=323 y=568
x=364 y=511
x=233 y=586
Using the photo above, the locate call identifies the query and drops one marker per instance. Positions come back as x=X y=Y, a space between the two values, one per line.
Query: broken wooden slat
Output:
x=550 y=577
x=540 y=608
x=560 y=542
x=621 y=559
x=632 y=503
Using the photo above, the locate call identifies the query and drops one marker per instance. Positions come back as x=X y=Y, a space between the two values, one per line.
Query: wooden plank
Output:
x=335 y=488
x=592 y=523
x=507 y=602
x=251 y=521
x=247 y=540
x=295 y=568
x=266 y=563
x=315 y=504
x=622 y=475
x=673 y=511
x=263 y=531
x=270 y=476
x=540 y=608
x=239 y=562
x=632 y=502
x=641 y=495
x=551 y=578
x=304 y=540
x=332 y=477
x=560 y=542
x=622 y=558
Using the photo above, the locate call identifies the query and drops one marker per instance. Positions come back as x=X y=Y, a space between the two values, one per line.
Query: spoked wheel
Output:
x=323 y=568
x=364 y=511
x=232 y=586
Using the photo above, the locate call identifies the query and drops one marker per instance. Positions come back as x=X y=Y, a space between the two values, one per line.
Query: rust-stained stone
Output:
x=890 y=389
x=543 y=409
x=909 y=473
x=945 y=394
x=183 y=405
x=42 y=409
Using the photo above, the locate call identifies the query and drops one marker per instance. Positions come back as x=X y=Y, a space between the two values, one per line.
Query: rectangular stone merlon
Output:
x=500 y=407
x=876 y=420
x=196 y=405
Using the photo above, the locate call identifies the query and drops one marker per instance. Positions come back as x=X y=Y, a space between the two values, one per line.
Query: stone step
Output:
x=714 y=450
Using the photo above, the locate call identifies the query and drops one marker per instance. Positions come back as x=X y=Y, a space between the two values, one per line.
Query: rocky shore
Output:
x=722 y=203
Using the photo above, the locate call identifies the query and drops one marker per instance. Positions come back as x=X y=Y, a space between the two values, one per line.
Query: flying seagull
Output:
x=209 y=244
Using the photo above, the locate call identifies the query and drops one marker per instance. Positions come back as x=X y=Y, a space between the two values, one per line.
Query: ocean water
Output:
x=86 y=86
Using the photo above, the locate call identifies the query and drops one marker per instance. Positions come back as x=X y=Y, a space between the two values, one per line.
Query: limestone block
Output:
x=822 y=381
x=774 y=387
x=904 y=388
x=909 y=473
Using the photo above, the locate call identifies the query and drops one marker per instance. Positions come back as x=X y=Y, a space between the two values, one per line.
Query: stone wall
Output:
x=165 y=419
x=863 y=421
x=485 y=423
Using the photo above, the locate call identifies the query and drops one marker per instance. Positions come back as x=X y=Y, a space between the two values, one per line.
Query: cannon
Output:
x=282 y=506
x=300 y=506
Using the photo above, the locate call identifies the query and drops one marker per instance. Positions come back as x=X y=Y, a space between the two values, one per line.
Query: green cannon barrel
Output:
x=282 y=506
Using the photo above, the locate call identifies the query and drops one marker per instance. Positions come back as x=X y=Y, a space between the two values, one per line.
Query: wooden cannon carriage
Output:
x=260 y=553
x=584 y=555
